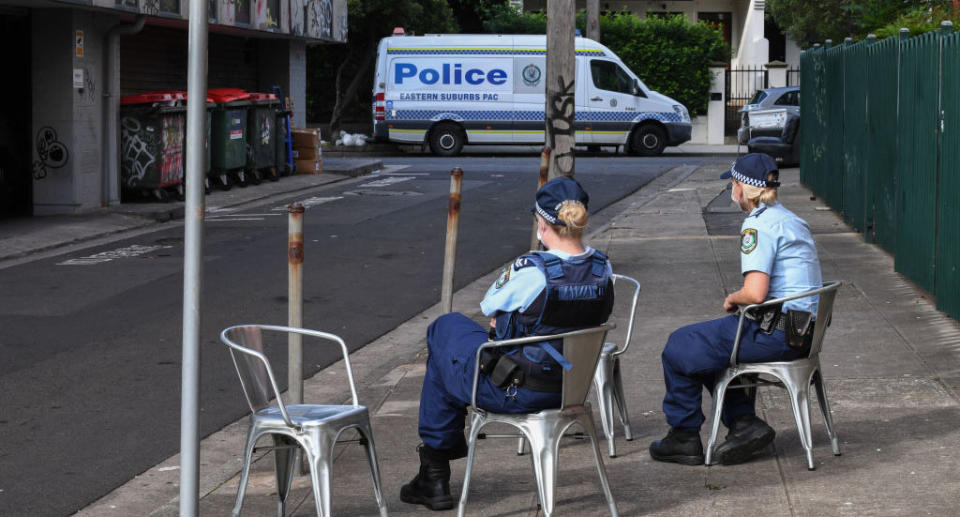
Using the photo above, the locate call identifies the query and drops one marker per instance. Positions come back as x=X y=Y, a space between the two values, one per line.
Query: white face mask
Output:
x=540 y=237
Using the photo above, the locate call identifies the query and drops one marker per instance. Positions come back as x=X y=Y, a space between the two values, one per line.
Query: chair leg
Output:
x=587 y=423
x=476 y=423
x=285 y=452
x=801 y=413
x=602 y=385
x=521 y=446
x=367 y=433
x=320 y=465
x=825 y=409
x=245 y=472
x=544 y=446
x=621 y=400
x=719 y=392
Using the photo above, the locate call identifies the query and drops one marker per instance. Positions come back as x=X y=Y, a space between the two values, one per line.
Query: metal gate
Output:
x=742 y=84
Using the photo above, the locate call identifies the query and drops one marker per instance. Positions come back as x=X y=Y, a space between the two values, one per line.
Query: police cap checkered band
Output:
x=552 y=194
x=754 y=169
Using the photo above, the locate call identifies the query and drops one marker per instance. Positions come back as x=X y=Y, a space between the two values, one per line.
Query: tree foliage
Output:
x=340 y=77
x=815 y=21
x=671 y=55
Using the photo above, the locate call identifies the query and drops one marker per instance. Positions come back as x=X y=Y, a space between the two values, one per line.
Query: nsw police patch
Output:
x=748 y=240
x=503 y=278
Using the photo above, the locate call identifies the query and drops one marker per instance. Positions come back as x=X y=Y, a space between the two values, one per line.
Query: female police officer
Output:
x=777 y=258
x=565 y=288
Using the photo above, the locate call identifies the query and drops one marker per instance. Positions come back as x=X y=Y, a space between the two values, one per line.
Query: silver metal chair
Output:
x=313 y=427
x=794 y=376
x=608 y=382
x=544 y=429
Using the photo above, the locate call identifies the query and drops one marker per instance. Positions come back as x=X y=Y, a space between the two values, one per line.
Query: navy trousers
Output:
x=696 y=354
x=452 y=342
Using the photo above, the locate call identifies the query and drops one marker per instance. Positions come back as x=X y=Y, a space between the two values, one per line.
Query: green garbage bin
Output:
x=262 y=137
x=228 y=126
x=206 y=142
x=152 y=150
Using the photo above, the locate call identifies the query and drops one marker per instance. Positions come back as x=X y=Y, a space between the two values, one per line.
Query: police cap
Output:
x=753 y=169
x=553 y=193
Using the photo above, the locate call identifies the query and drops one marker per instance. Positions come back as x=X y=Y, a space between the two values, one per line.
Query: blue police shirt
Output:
x=773 y=240
x=520 y=282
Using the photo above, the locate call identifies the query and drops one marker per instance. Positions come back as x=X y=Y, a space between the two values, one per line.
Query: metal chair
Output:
x=608 y=382
x=544 y=429
x=794 y=376
x=313 y=427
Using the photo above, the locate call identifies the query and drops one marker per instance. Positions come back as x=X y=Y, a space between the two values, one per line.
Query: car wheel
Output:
x=648 y=140
x=446 y=140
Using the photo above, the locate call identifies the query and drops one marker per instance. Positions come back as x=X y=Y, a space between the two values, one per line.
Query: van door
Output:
x=611 y=103
x=529 y=95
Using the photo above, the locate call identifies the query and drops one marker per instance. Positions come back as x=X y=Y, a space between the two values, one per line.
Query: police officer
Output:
x=562 y=289
x=777 y=258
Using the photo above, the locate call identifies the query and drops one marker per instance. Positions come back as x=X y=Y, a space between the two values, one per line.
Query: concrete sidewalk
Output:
x=892 y=364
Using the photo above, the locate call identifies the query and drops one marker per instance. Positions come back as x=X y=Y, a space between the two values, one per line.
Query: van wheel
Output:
x=648 y=140
x=446 y=140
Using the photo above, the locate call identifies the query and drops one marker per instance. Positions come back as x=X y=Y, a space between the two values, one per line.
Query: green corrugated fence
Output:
x=880 y=127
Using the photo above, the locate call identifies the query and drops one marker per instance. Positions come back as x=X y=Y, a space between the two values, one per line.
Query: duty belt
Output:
x=780 y=320
x=507 y=370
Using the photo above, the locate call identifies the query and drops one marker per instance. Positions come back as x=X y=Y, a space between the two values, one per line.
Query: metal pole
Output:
x=193 y=260
x=295 y=305
x=450 y=251
x=560 y=86
x=544 y=175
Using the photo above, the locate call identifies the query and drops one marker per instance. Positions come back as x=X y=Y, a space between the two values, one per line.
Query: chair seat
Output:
x=309 y=415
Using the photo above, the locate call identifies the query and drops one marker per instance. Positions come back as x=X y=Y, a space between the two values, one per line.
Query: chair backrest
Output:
x=824 y=315
x=253 y=367
x=633 y=309
x=580 y=347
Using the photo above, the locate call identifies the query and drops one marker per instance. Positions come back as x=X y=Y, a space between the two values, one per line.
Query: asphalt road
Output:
x=90 y=341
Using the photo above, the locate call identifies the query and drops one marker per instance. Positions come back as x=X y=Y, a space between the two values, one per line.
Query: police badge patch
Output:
x=504 y=277
x=748 y=240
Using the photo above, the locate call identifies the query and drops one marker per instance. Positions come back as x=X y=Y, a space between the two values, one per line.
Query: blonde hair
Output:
x=574 y=216
x=757 y=195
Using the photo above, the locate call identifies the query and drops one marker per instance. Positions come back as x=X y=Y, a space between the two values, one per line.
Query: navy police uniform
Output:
x=773 y=240
x=538 y=294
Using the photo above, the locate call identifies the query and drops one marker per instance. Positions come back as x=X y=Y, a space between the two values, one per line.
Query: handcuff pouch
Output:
x=798 y=327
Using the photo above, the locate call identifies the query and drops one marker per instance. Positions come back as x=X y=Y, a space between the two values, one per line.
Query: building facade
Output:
x=753 y=41
x=70 y=61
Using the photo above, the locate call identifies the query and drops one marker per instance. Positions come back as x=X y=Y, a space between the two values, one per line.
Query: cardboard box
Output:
x=306 y=137
x=313 y=166
x=306 y=153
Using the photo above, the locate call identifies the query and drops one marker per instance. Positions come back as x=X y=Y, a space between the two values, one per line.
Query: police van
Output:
x=448 y=90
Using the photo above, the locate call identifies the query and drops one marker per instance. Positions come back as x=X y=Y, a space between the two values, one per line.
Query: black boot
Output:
x=678 y=447
x=748 y=434
x=431 y=486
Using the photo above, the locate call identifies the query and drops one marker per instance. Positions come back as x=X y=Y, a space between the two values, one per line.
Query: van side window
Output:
x=607 y=75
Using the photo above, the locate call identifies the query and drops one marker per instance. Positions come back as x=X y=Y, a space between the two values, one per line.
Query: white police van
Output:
x=447 y=90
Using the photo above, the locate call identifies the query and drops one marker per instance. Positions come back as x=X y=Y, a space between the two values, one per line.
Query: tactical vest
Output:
x=578 y=294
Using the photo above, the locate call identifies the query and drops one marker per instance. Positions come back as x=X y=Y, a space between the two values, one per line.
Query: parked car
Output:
x=767 y=112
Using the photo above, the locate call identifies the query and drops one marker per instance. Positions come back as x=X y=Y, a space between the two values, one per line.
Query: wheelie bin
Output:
x=262 y=137
x=228 y=126
x=206 y=146
x=152 y=150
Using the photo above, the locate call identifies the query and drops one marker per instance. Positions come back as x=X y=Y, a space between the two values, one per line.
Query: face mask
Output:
x=540 y=237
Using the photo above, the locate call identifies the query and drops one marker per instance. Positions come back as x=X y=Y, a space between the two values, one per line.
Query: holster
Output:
x=799 y=327
x=767 y=318
x=507 y=372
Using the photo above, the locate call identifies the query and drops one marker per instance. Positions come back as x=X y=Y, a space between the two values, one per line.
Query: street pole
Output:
x=450 y=248
x=544 y=175
x=593 y=20
x=561 y=85
x=193 y=260
x=295 y=303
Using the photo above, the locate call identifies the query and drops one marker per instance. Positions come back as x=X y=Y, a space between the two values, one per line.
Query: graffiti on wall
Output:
x=561 y=123
x=320 y=13
x=171 y=170
x=51 y=153
x=296 y=17
x=144 y=151
x=342 y=27
x=88 y=94
x=137 y=145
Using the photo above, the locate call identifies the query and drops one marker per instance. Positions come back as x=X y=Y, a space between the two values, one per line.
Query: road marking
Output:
x=106 y=256
x=307 y=203
x=392 y=180
x=232 y=219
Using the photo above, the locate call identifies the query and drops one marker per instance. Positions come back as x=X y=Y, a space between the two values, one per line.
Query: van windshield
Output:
x=609 y=76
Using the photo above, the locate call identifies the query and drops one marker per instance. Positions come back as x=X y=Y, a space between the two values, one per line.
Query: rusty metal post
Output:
x=544 y=175
x=450 y=251
x=295 y=304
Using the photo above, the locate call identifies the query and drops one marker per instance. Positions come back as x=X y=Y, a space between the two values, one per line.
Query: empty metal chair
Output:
x=794 y=376
x=313 y=427
x=544 y=429
x=608 y=382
